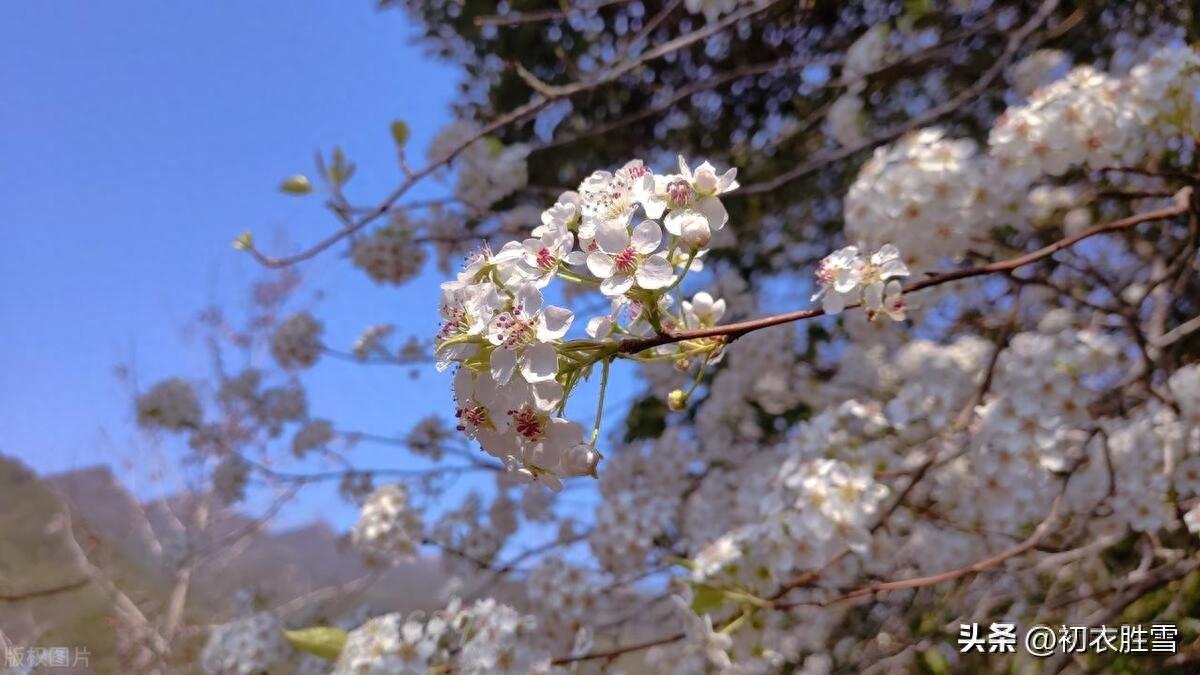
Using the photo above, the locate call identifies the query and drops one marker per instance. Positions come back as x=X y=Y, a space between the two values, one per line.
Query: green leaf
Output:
x=918 y=9
x=297 y=185
x=340 y=170
x=244 y=241
x=494 y=146
x=933 y=662
x=400 y=133
x=323 y=641
x=682 y=562
x=706 y=598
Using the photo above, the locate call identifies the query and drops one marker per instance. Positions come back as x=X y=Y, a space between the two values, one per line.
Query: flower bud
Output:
x=683 y=365
x=695 y=233
x=580 y=460
x=677 y=400
x=705 y=179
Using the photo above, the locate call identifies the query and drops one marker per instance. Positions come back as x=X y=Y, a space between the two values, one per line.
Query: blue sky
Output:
x=138 y=140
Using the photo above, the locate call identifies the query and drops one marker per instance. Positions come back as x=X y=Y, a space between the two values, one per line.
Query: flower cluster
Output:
x=486 y=171
x=942 y=196
x=389 y=254
x=297 y=341
x=1070 y=122
x=486 y=637
x=812 y=511
x=565 y=592
x=171 y=404
x=845 y=278
x=389 y=527
x=313 y=435
x=229 y=479
x=515 y=368
x=937 y=195
x=251 y=644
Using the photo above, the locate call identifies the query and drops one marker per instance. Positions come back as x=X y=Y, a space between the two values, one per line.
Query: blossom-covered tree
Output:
x=912 y=289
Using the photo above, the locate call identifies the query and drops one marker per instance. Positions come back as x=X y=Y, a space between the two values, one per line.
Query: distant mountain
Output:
x=60 y=590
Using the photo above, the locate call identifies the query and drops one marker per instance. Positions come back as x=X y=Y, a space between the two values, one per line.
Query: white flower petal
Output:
x=529 y=298
x=654 y=206
x=718 y=310
x=617 y=284
x=873 y=297
x=655 y=272
x=833 y=302
x=612 y=237
x=599 y=327
x=674 y=221
x=728 y=181
x=600 y=264
x=714 y=211
x=554 y=323
x=562 y=434
x=539 y=363
x=646 y=237
x=503 y=362
x=546 y=394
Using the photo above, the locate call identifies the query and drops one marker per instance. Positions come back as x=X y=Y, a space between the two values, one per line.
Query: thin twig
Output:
x=932 y=115
x=733 y=331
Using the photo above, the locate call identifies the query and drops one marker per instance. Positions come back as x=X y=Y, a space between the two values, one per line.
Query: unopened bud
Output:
x=695 y=233
x=705 y=179
x=581 y=460
x=677 y=400
x=683 y=365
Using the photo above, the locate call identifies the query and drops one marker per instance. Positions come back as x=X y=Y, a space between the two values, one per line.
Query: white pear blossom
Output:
x=703 y=310
x=697 y=190
x=845 y=278
x=389 y=527
x=838 y=275
x=550 y=249
x=248 y=645
x=389 y=254
x=885 y=265
x=522 y=334
x=625 y=259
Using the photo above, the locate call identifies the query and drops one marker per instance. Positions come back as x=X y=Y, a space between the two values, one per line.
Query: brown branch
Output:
x=533 y=107
x=967 y=95
x=46 y=592
x=732 y=331
x=548 y=94
x=1028 y=544
x=618 y=651
x=538 y=16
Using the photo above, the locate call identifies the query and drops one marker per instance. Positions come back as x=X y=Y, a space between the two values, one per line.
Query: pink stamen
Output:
x=626 y=261
x=473 y=417
x=680 y=192
x=528 y=423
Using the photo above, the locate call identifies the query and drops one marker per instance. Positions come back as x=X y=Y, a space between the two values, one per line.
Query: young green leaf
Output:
x=323 y=641
x=706 y=598
x=244 y=241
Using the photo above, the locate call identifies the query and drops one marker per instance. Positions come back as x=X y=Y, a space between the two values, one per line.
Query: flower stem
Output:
x=600 y=404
